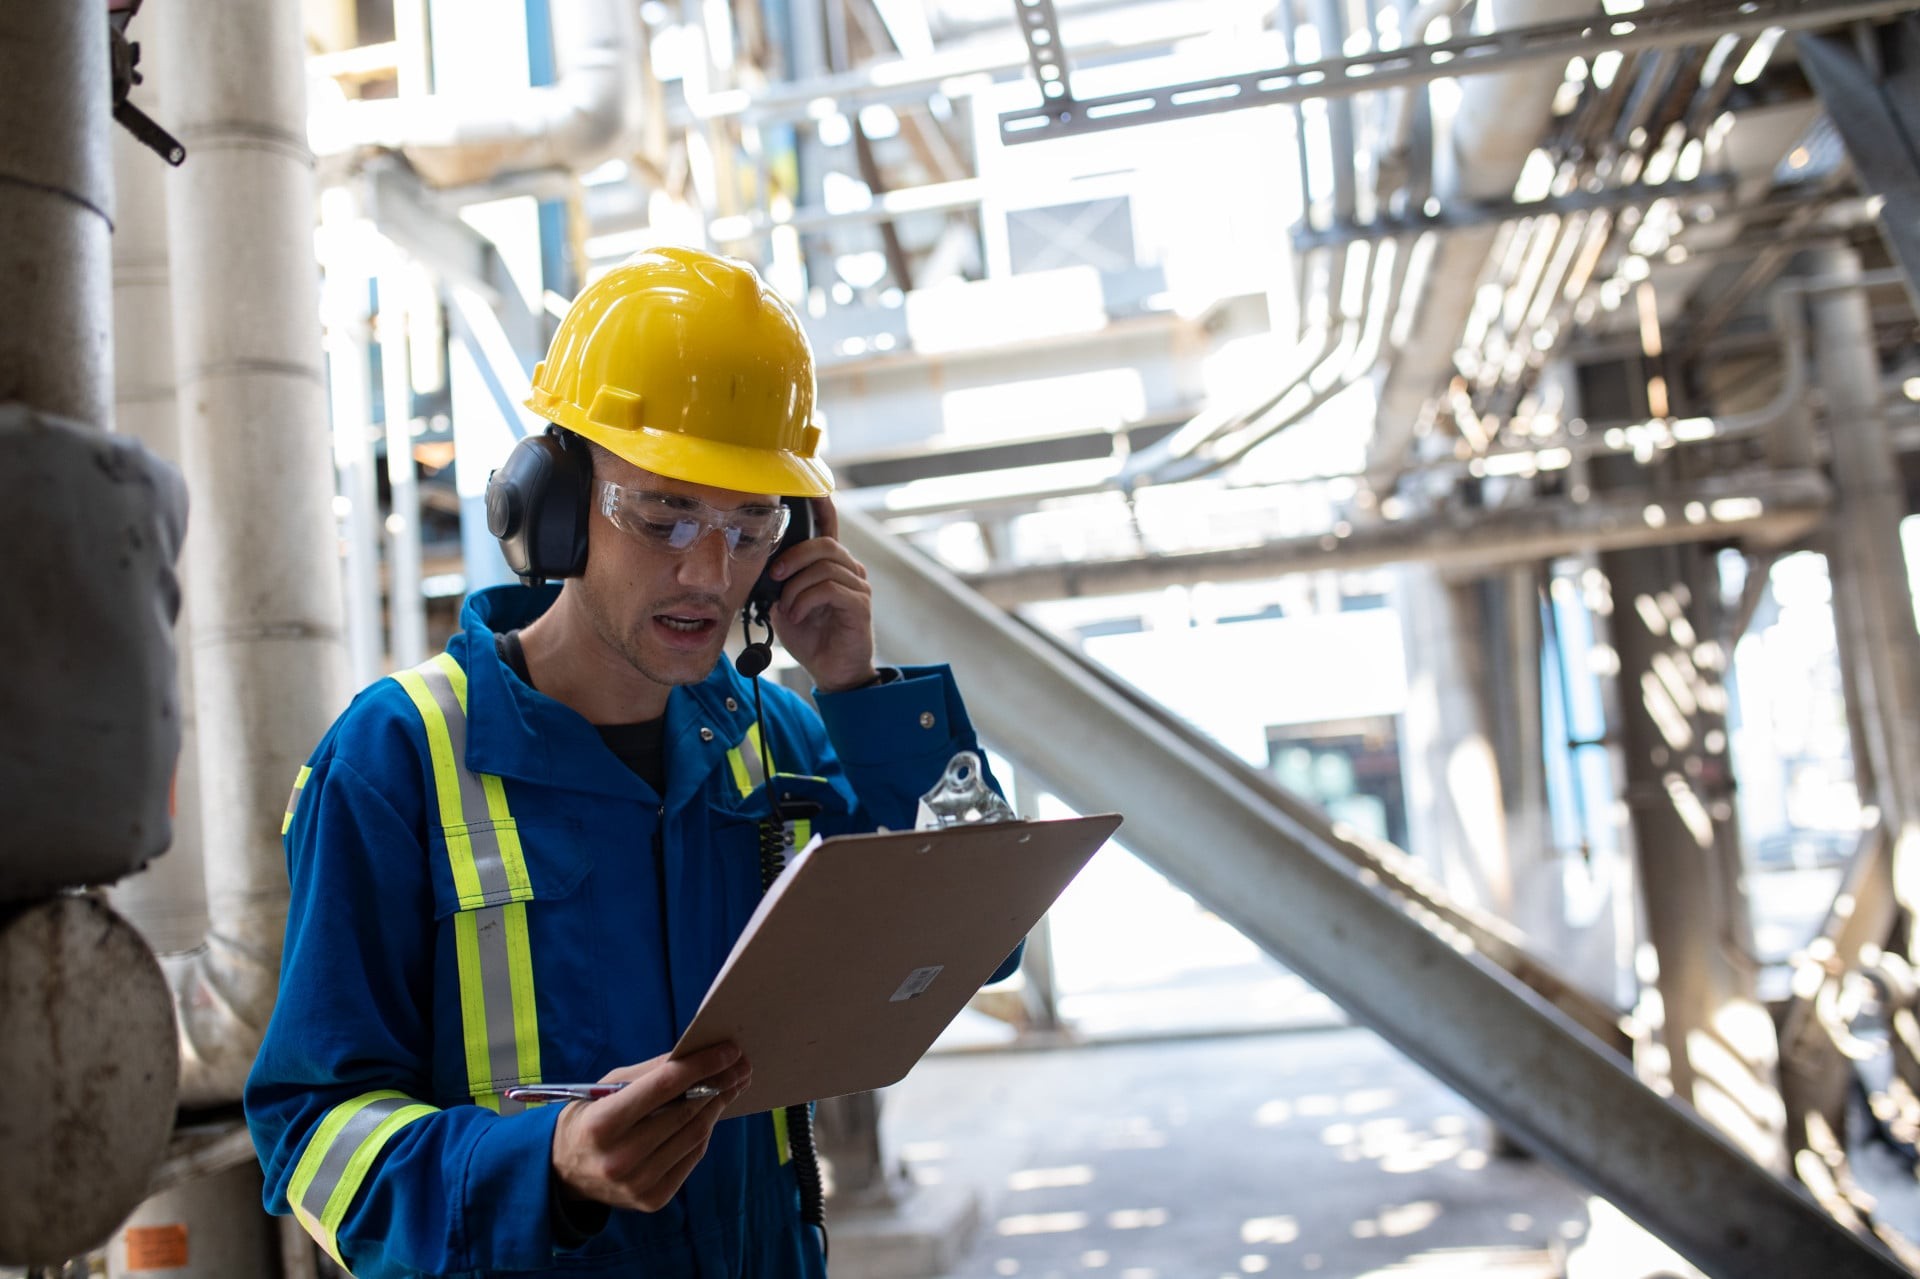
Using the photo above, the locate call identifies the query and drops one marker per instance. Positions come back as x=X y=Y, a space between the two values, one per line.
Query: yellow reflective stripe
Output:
x=780 y=1142
x=749 y=765
x=455 y=676
x=473 y=1004
x=293 y=800
x=798 y=833
x=526 y=1018
x=446 y=785
x=499 y=1019
x=339 y=1157
x=507 y=832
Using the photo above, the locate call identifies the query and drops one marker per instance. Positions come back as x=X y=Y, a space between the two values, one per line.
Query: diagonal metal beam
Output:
x=1877 y=110
x=1670 y=24
x=1540 y=1077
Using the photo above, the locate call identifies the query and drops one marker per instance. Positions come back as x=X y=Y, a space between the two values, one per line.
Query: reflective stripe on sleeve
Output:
x=500 y=1024
x=340 y=1155
x=293 y=800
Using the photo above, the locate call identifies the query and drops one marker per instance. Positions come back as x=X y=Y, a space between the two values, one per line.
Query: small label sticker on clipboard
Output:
x=916 y=983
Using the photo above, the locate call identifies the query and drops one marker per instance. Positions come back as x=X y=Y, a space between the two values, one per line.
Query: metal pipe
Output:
x=266 y=613
x=1769 y=508
x=346 y=239
x=588 y=114
x=56 y=193
x=1331 y=20
x=1500 y=118
x=1865 y=553
x=167 y=901
x=406 y=608
x=1535 y=1073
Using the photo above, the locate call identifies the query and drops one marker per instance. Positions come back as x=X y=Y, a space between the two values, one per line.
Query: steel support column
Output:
x=1721 y=1054
x=1866 y=560
x=1541 y=1079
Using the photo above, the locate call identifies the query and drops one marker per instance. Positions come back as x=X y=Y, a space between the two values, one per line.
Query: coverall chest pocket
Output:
x=520 y=959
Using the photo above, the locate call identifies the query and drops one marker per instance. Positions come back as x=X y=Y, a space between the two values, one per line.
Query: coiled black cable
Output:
x=773 y=860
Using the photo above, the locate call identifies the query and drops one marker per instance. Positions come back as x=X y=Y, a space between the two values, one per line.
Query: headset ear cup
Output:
x=563 y=536
x=537 y=507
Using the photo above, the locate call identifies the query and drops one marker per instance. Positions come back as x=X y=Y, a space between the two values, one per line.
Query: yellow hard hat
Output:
x=686 y=364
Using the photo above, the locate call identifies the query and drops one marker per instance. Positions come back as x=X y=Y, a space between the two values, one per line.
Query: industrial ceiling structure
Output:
x=1499 y=303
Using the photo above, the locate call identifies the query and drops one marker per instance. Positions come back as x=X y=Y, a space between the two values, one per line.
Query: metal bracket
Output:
x=1040 y=28
x=125 y=59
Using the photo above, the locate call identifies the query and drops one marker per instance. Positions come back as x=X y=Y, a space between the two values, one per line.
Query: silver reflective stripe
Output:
x=333 y=1166
x=750 y=755
x=487 y=863
x=503 y=1058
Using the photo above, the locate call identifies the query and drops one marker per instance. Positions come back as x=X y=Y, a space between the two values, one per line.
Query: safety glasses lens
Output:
x=676 y=523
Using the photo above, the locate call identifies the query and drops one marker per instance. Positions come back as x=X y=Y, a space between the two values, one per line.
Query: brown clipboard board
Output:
x=868 y=946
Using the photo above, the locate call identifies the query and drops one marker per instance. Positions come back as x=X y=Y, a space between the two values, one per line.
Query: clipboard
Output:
x=868 y=946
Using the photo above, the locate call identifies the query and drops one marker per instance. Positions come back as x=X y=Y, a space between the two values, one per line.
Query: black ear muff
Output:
x=537 y=505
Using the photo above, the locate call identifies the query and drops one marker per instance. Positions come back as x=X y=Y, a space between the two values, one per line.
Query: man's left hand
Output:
x=824 y=616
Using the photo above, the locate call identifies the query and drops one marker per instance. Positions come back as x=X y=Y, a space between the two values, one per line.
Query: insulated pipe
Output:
x=266 y=631
x=1534 y=1072
x=56 y=193
x=587 y=115
x=167 y=901
x=1500 y=119
x=406 y=609
x=87 y=688
x=1768 y=509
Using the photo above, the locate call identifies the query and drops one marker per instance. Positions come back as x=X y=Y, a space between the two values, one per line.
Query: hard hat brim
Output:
x=695 y=460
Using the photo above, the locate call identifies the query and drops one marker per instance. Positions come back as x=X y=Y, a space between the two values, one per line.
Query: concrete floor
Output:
x=1319 y=1152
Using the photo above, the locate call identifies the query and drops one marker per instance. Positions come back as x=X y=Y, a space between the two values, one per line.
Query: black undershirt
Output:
x=641 y=747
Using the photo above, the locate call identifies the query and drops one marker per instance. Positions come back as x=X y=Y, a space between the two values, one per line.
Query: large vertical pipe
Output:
x=347 y=336
x=406 y=609
x=167 y=901
x=267 y=606
x=1868 y=566
x=56 y=193
x=87 y=690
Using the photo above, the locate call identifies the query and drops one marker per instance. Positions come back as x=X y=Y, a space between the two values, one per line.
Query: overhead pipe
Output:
x=1500 y=119
x=1770 y=509
x=269 y=655
x=590 y=113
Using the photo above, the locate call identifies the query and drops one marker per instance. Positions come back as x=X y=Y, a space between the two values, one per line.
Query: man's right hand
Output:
x=635 y=1148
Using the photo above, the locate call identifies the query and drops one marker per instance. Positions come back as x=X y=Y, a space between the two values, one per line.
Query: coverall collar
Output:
x=520 y=733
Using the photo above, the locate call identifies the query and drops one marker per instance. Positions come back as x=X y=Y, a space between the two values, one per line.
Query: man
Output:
x=526 y=859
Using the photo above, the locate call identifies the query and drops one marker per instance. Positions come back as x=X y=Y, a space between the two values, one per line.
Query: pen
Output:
x=592 y=1092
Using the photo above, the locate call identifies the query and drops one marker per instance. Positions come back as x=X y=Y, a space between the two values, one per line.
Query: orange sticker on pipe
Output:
x=156 y=1247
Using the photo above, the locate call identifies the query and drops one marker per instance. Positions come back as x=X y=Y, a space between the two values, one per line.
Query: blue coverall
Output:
x=636 y=900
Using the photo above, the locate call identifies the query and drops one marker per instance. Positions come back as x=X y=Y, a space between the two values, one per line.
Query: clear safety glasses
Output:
x=674 y=523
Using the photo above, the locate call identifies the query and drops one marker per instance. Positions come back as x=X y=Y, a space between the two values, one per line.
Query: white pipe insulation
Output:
x=166 y=901
x=270 y=661
x=587 y=115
